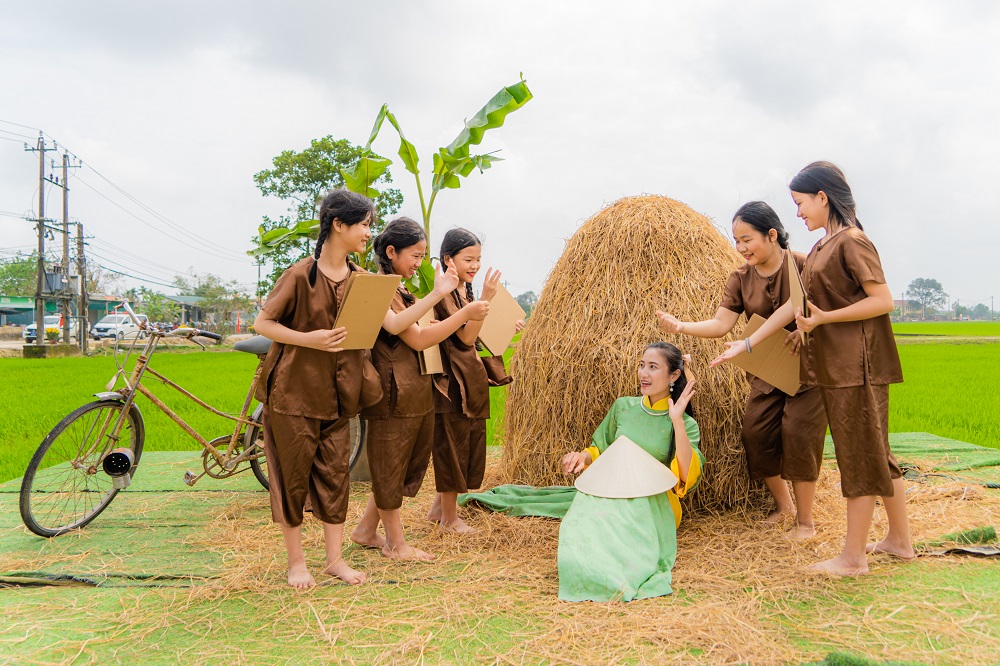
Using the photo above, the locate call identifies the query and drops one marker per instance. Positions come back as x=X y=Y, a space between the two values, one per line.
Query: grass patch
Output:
x=971 y=329
x=949 y=390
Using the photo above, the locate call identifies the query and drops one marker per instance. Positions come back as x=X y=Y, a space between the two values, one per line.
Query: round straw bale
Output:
x=581 y=346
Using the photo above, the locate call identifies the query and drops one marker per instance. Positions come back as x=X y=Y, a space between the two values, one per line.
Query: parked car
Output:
x=51 y=321
x=117 y=326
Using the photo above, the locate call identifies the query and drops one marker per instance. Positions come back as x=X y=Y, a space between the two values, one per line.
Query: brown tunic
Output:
x=301 y=381
x=462 y=403
x=855 y=361
x=750 y=292
x=849 y=353
x=401 y=425
x=782 y=435
x=309 y=397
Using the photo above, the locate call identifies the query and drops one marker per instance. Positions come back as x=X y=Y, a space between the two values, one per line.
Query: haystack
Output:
x=582 y=343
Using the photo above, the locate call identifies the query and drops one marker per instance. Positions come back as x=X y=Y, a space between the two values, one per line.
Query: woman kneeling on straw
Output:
x=618 y=538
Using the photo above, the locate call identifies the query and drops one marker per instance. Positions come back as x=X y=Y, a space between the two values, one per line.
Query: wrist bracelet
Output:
x=747 y=341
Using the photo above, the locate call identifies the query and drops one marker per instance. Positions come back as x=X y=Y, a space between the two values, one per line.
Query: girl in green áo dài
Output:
x=613 y=548
x=600 y=558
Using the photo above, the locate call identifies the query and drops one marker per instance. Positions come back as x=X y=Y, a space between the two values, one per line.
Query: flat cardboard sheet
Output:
x=498 y=327
x=430 y=358
x=364 y=307
x=770 y=359
x=797 y=291
x=625 y=470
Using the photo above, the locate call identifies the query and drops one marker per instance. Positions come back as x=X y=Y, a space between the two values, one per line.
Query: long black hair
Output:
x=675 y=361
x=827 y=177
x=762 y=217
x=454 y=241
x=401 y=233
x=349 y=207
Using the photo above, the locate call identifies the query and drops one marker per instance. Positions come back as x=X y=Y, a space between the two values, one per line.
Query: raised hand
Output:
x=575 y=462
x=733 y=349
x=447 y=282
x=328 y=340
x=491 y=284
x=676 y=409
x=668 y=322
x=518 y=325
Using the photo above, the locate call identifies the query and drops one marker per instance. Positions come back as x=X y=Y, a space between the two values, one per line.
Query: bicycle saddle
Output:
x=258 y=344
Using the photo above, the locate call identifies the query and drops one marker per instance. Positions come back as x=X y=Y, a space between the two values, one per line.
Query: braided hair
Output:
x=675 y=361
x=827 y=177
x=400 y=234
x=454 y=241
x=349 y=207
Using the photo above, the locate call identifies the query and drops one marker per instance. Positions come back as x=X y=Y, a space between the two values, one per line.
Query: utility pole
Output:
x=65 y=262
x=40 y=283
x=81 y=268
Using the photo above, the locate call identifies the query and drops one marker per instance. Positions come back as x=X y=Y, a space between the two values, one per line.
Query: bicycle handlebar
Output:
x=131 y=313
x=193 y=332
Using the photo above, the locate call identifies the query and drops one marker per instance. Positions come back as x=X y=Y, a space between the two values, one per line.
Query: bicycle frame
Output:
x=133 y=385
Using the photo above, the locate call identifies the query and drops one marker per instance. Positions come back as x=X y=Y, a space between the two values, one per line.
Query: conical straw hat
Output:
x=626 y=470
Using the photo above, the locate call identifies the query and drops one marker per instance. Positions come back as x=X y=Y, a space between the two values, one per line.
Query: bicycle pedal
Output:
x=190 y=478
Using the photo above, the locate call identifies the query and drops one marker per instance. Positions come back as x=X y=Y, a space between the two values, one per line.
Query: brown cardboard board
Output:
x=430 y=358
x=363 y=309
x=498 y=327
x=770 y=359
x=797 y=291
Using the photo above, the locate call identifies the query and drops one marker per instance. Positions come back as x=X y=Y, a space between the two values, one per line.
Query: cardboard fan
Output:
x=430 y=358
x=625 y=470
x=363 y=309
x=797 y=291
x=498 y=327
x=770 y=359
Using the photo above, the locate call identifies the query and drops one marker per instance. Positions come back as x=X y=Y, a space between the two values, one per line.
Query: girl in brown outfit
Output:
x=783 y=435
x=311 y=388
x=401 y=425
x=462 y=396
x=855 y=358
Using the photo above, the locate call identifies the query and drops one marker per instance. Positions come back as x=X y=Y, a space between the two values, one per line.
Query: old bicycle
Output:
x=94 y=452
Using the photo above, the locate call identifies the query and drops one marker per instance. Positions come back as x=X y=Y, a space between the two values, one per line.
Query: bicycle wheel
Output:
x=359 y=431
x=255 y=437
x=64 y=487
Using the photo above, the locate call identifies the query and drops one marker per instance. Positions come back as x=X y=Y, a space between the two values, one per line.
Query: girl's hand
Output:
x=328 y=340
x=476 y=310
x=447 y=282
x=733 y=349
x=518 y=325
x=807 y=324
x=491 y=284
x=793 y=341
x=575 y=462
x=676 y=409
x=668 y=322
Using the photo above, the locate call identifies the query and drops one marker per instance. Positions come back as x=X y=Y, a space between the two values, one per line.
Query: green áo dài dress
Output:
x=612 y=548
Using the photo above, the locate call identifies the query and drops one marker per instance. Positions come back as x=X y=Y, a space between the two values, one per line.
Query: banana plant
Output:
x=450 y=164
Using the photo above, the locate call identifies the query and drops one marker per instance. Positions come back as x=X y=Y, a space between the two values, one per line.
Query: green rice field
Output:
x=949 y=390
x=971 y=329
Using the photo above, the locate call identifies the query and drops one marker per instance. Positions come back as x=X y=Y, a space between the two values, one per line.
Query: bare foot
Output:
x=840 y=566
x=367 y=539
x=777 y=516
x=406 y=552
x=884 y=546
x=801 y=532
x=434 y=515
x=458 y=526
x=340 y=569
x=300 y=578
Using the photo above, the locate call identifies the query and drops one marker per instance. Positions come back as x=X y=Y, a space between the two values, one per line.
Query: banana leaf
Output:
x=269 y=240
x=407 y=152
x=491 y=116
x=422 y=282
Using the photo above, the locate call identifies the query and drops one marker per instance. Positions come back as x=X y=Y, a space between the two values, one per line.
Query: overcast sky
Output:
x=711 y=103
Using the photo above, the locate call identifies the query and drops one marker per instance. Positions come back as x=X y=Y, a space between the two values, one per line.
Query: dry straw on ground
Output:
x=594 y=316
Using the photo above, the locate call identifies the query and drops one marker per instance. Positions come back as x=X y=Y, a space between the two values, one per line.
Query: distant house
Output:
x=190 y=308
